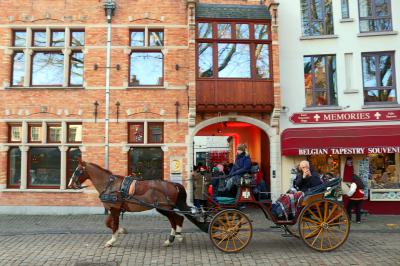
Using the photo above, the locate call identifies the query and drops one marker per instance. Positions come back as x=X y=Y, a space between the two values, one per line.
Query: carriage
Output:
x=322 y=221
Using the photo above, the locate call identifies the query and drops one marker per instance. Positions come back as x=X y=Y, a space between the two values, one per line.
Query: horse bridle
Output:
x=79 y=171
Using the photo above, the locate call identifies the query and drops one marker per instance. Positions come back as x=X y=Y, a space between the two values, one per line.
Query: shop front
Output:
x=372 y=152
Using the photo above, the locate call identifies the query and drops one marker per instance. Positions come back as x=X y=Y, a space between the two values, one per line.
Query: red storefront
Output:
x=372 y=152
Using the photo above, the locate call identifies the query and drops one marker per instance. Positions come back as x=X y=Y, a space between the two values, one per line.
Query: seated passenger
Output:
x=306 y=178
x=242 y=165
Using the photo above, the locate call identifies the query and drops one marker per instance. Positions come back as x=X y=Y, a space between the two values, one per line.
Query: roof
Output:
x=232 y=11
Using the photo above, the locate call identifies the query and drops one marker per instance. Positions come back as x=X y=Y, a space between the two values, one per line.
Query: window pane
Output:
x=204 y=30
x=156 y=38
x=15 y=133
x=146 y=68
x=345 y=9
x=205 y=60
x=261 y=31
x=48 y=69
x=233 y=60
x=76 y=72
x=365 y=8
x=39 y=38
x=44 y=166
x=317 y=11
x=19 y=39
x=386 y=71
x=380 y=96
x=331 y=60
x=328 y=17
x=14 y=166
x=137 y=38
x=73 y=155
x=77 y=38
x=242 y=31
x=224 y=31
x=382 y=25
x=308 y=80
x=367 y=25
x=147 y=163
x=305 y=15
x=57 y=38
x=35 y=133
x=155 y=133
x=369 y=71
x=74 y=133
x=382 y=8
x=18 y=74
x=321 y=98
x=320 y=72
x=54 y=134
x=136 y=133
x=262 y=61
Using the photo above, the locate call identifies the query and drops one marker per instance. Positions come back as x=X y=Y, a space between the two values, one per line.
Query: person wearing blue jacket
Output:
x=242 y=165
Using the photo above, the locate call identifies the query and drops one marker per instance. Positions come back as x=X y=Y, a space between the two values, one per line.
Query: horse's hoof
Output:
x=167 y=244
x=122 y=231
x=108 y=245
x=179 y=238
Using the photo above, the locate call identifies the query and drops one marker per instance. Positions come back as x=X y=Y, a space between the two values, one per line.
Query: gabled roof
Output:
x=232 y=11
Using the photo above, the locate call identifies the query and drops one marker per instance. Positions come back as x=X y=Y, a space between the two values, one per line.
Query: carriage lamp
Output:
x=96 y=105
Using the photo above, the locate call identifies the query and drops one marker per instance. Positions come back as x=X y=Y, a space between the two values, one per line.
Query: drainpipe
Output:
x=109 y=8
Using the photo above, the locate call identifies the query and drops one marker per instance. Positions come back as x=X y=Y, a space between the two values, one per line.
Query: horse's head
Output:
x=79 y=176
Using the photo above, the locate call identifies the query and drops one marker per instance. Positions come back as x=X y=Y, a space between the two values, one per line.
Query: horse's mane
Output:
x=101 y=168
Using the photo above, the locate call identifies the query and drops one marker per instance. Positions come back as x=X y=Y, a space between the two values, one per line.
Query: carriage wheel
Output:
x=230 y=230
x=324 y=225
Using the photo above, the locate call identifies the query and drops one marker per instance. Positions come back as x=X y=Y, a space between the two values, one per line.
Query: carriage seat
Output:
x=323 y=187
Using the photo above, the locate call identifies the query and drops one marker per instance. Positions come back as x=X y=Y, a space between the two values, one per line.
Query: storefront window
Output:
x=146 y=163
x=384 y=170
x=14 y=167
x=44 y=167
x=326 y=164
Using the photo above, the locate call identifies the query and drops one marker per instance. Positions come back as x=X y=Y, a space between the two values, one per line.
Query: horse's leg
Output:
x=179 y=224
x=115 y=224
x=171 y=219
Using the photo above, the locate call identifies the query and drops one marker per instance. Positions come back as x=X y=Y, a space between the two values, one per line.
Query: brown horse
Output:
x=148 y=194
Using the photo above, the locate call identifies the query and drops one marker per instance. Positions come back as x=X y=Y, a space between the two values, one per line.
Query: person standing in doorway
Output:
x=356 y=197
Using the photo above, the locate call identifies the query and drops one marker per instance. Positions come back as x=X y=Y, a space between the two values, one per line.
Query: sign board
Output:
x=345 y=117
x=176 y=165
x=350 y=150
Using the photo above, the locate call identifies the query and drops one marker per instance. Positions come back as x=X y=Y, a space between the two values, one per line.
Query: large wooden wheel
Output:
x=324 y=225
x=230 y=230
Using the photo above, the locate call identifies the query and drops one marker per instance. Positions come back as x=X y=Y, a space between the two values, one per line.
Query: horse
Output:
x=148 y=194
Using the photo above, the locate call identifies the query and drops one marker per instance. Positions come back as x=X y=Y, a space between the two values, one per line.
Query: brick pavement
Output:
x=79 y=240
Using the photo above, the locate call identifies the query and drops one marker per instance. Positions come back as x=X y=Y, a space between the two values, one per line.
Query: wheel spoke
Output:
x=329 y=239
x=228 y=223
x=332 y=211
x=325 y=210
x=334 y=218
x=309 y=235
x=319 y=211
x=344 y=222
x=227 y=243
x=239 y=239
x=322 y=237
x=313 y=214
x=316 y=237
x=337 y=230
x=310 y=220
x=222 y=240
x=234 y=244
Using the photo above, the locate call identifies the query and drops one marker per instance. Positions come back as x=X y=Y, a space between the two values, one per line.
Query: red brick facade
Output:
x=153 y=104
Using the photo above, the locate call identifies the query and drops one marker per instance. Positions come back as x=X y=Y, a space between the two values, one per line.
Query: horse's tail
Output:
x=182 y=206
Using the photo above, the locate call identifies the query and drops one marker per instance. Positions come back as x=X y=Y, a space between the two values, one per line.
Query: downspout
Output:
x=109 y=8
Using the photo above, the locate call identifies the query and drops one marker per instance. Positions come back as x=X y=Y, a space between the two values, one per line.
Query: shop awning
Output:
x=341 y=140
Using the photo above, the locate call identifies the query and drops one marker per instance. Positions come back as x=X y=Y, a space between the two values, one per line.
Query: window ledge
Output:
x=345 y=20
x=319 y=37
x=44 y=88
x=350 y=91
x=381 y=106
x=378 y=33
x=38 y=190
x=146 y=88
x=322 y=108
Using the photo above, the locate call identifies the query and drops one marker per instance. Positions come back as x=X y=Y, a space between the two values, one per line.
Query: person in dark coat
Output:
x=242 y=165
x=306 y=178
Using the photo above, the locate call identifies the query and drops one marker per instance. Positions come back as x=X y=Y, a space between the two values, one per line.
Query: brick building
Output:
x=53 y=72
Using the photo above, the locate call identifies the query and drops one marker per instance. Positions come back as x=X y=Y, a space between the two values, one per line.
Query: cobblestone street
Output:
x=79 y=240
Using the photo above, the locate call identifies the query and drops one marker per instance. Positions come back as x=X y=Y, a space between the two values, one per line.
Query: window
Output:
x=44 y=167
x=136 y=133
x=383 y=170
x=375 y=15
x=326 y=164
x=147 y=163
x=14 y=133
x=47 y=57
x=155 y=132
x=14 y=167
x=73 y=154
x=35 y=133
x=146 y=59
x=54 y=133
x=379 y=78
x=317 y=17
x=345 y=9
x=233 y=50
x=320 y=80
x=19 y=38
x=74 y=132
